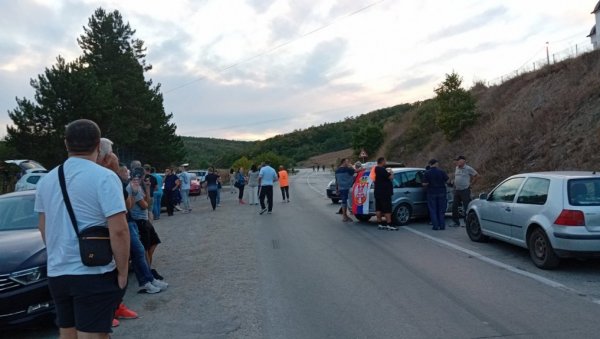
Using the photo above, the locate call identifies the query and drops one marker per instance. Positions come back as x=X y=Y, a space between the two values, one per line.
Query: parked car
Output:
x=409 y=199
x=201 y=174
x=334 y=195
x=29 y=181
x=28 y=166
x=332 y=192
x=553 y=214
x=30 y=172
x=24 y=293
x=195 y=185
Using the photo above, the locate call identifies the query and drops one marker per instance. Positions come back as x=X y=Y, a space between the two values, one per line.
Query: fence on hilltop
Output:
x=550 y=57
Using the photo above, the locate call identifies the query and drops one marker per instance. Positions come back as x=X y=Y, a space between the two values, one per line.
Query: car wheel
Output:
x=541 y=251
x=474 y=228
x=402 y=214
x=362 y=217
x=335 y=201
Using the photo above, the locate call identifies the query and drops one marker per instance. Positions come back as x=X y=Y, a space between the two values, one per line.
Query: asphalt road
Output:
x=302 y=273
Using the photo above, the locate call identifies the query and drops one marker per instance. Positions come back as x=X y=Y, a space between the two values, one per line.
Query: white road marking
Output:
x=311 y=186
x=538 y=278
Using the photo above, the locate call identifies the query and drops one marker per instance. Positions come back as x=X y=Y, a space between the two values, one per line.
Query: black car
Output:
x=332 y=192
x=24 y=293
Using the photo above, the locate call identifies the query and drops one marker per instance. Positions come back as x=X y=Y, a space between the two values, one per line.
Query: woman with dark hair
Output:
x=253 y=185
x=240 y=183
x=212 y=182
x=171 y=185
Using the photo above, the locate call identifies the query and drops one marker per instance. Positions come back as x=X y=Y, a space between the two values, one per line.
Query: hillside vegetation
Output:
x=540 y=121
x=295 y=146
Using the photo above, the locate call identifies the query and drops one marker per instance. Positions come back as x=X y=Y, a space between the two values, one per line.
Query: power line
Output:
x=270 y=50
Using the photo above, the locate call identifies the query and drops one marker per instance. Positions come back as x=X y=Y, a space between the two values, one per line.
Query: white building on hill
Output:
x=594 y=37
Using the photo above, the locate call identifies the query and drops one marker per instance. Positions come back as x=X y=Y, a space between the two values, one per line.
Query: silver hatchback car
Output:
x=409 y=199
x=552 y=214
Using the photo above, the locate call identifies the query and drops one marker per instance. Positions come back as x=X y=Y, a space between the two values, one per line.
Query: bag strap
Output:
x=63 y=188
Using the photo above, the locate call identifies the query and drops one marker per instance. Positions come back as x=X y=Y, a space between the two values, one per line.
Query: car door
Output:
x=496 y=213
x=408 y=187
x=532 y=196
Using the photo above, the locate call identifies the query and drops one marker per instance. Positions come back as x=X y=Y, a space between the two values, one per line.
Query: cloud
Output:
x=412 y=82
x=469 y=24
x=260 y=6
x=320 y=64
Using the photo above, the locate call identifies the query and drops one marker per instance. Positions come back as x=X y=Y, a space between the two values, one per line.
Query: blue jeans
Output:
x=437 y=209
x=156 y=205
x=138 y=256
x=344 y=198
x=218 y=196
x=185 y=199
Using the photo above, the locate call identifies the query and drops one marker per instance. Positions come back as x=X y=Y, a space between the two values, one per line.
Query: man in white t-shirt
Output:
x=85 y=297
x=266 y=177
x=185 y=179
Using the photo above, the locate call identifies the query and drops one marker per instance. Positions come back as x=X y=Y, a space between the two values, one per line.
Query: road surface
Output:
x=303 y=273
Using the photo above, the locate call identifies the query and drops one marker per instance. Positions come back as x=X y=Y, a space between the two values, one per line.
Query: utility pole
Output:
x=547 y=53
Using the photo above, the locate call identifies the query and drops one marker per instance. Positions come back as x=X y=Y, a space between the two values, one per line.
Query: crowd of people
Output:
x=259 y=180
x=126 y=201
x=435 y=181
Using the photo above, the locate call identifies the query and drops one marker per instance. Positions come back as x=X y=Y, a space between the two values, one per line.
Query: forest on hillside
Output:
x=363 y=131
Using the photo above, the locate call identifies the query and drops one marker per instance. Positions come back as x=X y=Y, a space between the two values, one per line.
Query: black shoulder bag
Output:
x=94 y=242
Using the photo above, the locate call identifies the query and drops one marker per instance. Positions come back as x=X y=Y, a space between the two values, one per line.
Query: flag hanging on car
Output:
x=360 y=192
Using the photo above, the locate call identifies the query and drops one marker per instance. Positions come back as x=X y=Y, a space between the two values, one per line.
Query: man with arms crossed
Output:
x=464 y=177
x=85 y=297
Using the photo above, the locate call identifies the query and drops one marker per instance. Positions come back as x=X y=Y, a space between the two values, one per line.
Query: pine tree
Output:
x=106 y=84
x=456 y=107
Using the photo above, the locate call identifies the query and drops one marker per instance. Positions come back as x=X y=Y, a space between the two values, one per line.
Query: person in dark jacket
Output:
x=171 y=189
x=434 y=181
x=384 y=189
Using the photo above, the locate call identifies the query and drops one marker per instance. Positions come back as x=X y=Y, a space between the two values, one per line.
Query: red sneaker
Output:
x=115 y=322
x=123 y=312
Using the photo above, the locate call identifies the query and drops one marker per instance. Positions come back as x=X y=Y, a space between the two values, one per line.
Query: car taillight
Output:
x=570 y=218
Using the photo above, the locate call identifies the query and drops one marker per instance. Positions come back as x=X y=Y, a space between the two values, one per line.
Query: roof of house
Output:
x=593 y=31
x=597 y=8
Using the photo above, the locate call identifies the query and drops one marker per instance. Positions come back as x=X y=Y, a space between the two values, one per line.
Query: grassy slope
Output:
x=539 y=121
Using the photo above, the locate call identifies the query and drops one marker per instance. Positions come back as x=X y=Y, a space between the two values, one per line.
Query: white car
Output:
x=552 y=214
x=29 y=181
x=31 y=172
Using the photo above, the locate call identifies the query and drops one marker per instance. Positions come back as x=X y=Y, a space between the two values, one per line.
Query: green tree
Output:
x=242 y=162
x=456 y=107
x=369 y=138
x=106 y=84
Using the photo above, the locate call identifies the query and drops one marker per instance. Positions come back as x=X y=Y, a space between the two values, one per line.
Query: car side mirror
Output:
x=483 y=196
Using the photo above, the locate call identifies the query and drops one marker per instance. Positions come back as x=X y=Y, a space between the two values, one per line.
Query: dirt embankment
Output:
x=540 y=121
x=328 y=159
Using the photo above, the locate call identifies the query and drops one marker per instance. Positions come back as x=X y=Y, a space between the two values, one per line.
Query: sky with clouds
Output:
x=251 y=69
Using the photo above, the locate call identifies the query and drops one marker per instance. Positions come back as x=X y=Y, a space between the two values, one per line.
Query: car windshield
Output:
x=16 y=213
x=584 y=192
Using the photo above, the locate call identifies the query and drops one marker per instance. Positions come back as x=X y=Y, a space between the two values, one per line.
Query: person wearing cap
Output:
x=434 y=181
x=464 y=177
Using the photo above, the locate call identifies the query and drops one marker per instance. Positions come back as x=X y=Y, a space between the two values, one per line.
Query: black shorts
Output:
x=383 y=204
x=86 y=302
x=148 y=235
